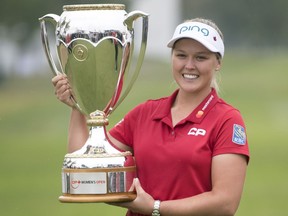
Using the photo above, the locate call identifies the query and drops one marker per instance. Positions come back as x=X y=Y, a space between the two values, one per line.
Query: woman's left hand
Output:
x=143 y=204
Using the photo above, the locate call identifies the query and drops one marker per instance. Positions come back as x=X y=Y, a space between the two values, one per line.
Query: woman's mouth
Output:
x=190 y=76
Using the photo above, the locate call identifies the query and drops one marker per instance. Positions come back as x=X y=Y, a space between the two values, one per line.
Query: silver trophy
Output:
x=94 y=47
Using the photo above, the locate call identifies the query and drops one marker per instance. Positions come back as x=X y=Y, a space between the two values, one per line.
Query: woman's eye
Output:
x=201 y=58
x=181 y=55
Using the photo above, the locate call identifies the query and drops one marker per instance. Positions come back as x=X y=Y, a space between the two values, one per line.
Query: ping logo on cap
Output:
x=205 y=31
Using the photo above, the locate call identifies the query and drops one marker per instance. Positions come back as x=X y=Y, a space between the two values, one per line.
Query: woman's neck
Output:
x=185 y=103
x=192 y=100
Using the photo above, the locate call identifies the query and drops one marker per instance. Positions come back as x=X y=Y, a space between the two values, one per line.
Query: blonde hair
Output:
x=216 y=79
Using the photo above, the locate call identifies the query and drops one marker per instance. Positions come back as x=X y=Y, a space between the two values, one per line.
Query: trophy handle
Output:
x=129 y=21
x=53 y=19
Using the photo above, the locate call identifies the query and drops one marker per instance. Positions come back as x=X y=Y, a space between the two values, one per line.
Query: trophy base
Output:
x=94 y=185
x=106 y=198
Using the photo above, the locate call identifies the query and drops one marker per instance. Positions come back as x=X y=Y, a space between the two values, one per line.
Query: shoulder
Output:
x=225 y=118
x=226 y=110
x=230 y=122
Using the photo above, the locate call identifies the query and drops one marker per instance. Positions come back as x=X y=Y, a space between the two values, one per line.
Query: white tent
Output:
x=164 y=16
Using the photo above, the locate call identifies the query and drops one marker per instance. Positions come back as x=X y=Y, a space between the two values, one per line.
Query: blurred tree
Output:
x=2 y=77
x=24 y=14
x=256 y=23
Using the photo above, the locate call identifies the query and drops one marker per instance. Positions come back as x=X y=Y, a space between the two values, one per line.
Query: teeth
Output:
x=190 y=76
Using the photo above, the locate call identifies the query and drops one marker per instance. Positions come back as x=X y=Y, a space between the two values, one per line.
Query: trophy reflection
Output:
x=95 y=45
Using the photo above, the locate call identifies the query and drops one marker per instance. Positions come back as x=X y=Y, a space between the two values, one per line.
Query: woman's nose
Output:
x=190 y=64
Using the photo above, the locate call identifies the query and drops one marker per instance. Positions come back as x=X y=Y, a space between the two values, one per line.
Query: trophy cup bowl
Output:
x=94 y=46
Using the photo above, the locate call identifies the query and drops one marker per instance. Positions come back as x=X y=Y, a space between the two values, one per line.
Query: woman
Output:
x=190 y=148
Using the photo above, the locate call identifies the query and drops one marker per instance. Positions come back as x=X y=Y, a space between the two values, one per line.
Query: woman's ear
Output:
x=218 y=66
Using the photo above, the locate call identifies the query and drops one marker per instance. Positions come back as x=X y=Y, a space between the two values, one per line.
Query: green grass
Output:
x=33 y=131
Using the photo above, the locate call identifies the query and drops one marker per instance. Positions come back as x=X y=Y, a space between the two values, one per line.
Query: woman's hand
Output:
x=143 y=204
x=63 y=90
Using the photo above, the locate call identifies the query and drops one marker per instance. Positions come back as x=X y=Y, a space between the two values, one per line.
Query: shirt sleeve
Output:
x=123 y=131
x=231 y=135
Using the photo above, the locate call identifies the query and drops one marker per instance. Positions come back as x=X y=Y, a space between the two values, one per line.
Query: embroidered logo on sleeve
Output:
x=239 y=136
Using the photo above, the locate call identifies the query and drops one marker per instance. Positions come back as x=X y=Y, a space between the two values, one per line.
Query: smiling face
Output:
x=194 y=66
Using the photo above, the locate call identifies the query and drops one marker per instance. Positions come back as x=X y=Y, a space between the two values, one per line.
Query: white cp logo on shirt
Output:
x=197 y=131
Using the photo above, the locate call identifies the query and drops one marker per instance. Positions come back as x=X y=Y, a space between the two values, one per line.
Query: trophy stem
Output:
x=96 y=146
x=97 y=118
x=97 y=142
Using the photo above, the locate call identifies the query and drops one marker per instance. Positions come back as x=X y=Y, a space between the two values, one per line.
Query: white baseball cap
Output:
x=203 y=33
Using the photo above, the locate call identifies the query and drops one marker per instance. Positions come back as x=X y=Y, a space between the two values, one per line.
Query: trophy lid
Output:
x=94 y=7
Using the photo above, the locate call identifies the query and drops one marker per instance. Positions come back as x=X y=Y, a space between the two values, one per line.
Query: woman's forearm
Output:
x=78 y=131
x=203 y=204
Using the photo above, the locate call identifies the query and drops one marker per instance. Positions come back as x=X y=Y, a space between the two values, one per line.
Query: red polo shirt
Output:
x=175 y=162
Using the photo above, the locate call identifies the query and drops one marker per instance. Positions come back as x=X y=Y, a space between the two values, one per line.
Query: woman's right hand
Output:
x=63 y=90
